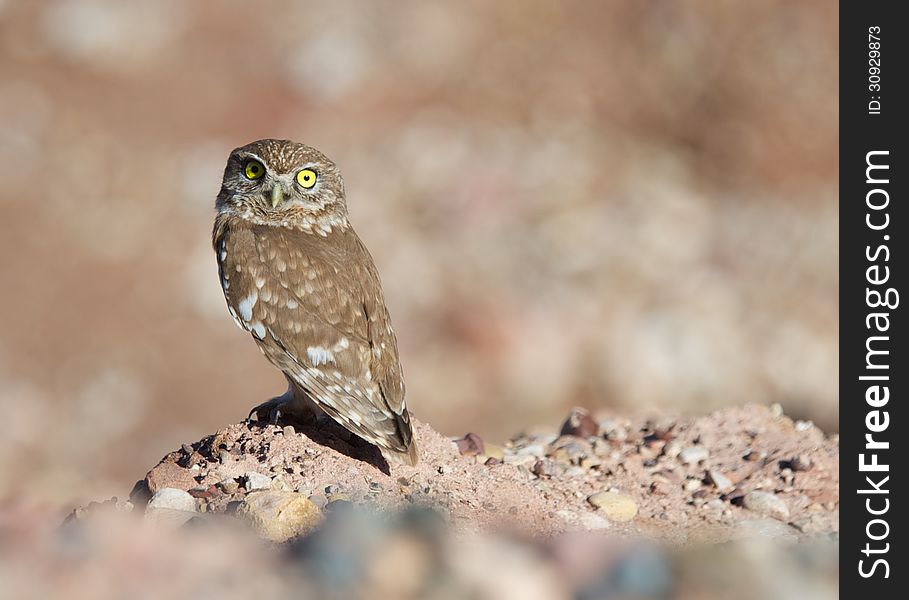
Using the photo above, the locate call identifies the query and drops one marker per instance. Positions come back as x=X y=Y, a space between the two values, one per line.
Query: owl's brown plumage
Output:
x=297 y=277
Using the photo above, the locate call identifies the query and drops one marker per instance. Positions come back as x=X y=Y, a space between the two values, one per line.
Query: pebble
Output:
x=802 y=462
x=280 y=483
x=691 y=484
x=752 y=456
x=336 y=498
x=606 y=426
x=579 y=424
x=667 y=476
x=573 y=472
x=767 y=504
x=719 y=480
x=547 y=468
x=534 y=450
x=767 y=528
x=172 y=499
x=812 y=524
x=256 y=481
x=659 y=487
x=593 y=522
x=289 y=431
x=279 y=516
x=617 y=507
x=715 y=505
x=444 y=470
x=569 y=451
x=229 y=486
x=672 y=448
x=619 y=434
x=470 y=445
x=787 y=475
x=320 y=500
x=171 y=506
x=590 y=462
x=692 y=455
x=493 y=451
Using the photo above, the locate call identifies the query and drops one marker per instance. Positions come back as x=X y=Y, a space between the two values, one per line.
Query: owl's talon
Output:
x=269 y=411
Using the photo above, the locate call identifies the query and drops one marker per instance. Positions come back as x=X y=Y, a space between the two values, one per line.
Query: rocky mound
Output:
x=738 y=471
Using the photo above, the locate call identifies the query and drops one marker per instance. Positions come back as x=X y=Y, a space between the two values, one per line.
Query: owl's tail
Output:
x=411 y=457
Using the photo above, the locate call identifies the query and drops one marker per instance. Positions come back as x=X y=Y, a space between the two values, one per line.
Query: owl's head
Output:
x=280 y=181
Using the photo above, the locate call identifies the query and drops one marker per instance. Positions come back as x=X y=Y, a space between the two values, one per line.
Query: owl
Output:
x=298 y=278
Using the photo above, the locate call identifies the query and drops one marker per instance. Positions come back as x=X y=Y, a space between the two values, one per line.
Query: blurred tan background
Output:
x=614 y=204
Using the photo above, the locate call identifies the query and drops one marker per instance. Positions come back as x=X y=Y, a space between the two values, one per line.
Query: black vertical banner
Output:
x=874 y=63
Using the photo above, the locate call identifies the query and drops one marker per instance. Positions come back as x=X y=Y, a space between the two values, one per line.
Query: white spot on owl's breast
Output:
x=258 y=330
x=292 y=304
x=319 y=355
x=246 y=305
x=342 y=344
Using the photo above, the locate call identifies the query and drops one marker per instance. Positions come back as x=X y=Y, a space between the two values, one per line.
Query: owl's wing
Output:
x=315 y=307
x=384 y=361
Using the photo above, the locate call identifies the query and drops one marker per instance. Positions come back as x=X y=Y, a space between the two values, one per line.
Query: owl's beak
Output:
x=277 y=195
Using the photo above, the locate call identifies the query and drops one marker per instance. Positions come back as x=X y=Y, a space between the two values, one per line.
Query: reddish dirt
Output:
x=542 y=482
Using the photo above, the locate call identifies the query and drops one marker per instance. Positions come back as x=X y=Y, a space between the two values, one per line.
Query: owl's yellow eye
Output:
x=254 y=170
x=306 y=178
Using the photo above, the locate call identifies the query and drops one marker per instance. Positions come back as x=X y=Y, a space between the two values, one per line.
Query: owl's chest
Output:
x=277 y=281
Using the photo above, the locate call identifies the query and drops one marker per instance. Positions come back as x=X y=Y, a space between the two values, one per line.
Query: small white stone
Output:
x=718 y=479
x=172 y=499
x=593 y=522
x=766 y=503
x=693 y=455
x=257 y=481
